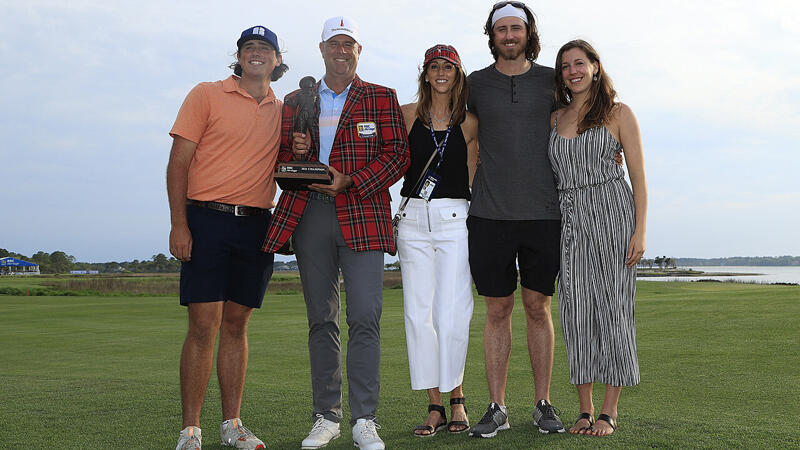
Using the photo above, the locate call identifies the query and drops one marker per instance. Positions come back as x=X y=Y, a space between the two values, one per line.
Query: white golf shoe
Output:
x=321 y=434
x=365 y=435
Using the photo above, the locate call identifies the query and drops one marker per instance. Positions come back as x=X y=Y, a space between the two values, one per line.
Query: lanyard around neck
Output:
x=440 y=147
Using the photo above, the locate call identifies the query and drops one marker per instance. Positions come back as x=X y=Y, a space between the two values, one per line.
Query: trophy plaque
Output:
x=297 y=175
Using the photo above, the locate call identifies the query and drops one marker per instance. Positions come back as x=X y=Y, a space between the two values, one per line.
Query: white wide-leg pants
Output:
x=437 y=291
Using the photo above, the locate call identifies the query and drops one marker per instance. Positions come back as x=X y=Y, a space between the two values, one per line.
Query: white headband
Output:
x=509 y=11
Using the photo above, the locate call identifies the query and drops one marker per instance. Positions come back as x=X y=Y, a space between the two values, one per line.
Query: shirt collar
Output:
x=323 y=87
x=231 y=84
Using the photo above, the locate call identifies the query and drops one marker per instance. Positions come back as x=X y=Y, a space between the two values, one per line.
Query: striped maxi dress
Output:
x=596 y=289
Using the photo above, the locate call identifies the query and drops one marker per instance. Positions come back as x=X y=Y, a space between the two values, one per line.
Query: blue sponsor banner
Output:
x=14 y=262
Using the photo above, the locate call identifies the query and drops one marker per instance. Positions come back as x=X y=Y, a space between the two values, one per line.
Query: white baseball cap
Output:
x=339 y=25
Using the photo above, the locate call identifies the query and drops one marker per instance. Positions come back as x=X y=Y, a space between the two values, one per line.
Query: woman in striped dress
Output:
x=602 y=231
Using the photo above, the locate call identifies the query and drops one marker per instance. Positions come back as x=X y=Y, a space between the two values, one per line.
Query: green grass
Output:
x=719 y=369
x=127 y=285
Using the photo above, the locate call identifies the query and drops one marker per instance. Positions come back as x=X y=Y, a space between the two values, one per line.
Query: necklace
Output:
x=447 y=118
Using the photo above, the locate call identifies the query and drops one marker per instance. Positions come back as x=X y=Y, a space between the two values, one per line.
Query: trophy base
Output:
x=297 y=175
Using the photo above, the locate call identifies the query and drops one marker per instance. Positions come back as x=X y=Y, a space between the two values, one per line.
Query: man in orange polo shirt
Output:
x=221 y=188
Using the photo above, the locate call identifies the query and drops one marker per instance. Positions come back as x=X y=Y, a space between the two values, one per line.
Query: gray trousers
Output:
x=321 y=252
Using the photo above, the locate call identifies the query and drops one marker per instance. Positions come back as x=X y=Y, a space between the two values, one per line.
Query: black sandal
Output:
x=432 y=430
x=458 y=423
x=609 y=420
x=583 y=416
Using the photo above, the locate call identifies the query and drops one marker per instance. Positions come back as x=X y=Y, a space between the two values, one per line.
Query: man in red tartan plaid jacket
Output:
x=371 y=165
x=345 y=225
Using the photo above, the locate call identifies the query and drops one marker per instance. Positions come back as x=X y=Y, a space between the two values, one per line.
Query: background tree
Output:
x=43 y=260
x=60 y=262
x=393 y=266
x=4 y=253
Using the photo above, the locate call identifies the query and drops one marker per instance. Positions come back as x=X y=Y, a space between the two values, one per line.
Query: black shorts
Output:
x=496 y=245
x=227 y=262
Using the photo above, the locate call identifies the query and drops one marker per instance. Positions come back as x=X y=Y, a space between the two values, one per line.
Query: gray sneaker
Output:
x=546 y=418
x=234 y=434
x=493 y=421
x=191 y=439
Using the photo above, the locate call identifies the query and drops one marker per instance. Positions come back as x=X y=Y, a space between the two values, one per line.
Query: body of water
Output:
x=768 y=274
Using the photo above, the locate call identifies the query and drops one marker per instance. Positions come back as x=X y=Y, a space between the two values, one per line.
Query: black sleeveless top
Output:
x=453 y=170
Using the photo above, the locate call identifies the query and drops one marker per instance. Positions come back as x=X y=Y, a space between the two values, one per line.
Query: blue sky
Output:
x=90 y=89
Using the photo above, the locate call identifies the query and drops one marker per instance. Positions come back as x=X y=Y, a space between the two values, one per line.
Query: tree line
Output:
x=662 y=262
x=785 y=260
x=60 y=262
x=56 y=262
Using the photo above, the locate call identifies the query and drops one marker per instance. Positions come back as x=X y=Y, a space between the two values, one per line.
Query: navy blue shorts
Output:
x=495 y=247
x=227 y=262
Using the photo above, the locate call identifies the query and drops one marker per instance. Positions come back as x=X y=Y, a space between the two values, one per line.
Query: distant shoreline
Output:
x=771 y=261
x=644 y=273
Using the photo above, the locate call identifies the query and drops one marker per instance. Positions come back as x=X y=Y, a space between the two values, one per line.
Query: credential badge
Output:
x=367 y=129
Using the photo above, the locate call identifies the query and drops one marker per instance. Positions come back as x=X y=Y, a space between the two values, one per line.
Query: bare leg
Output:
x=434 y=418
x=497 y=345
x=540 y=340
x=457 y=411
x=587 y=406
x=232 y=357
x=197 y=357
x=610 y=401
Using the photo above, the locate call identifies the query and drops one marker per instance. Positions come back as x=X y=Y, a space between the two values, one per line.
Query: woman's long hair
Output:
x=458 y=96
x=602 y=96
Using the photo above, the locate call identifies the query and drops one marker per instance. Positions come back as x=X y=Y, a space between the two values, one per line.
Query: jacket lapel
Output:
x=353 y=98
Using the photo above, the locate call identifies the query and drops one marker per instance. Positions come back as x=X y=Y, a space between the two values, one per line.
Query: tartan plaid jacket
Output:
x=372 y=147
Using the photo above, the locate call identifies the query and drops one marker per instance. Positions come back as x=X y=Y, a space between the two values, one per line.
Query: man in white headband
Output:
x=509 y=10
x=514 y=198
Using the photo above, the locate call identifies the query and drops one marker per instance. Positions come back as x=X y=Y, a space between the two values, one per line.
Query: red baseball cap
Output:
x=443 y=51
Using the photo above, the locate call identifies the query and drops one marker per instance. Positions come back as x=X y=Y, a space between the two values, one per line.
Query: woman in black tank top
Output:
x=432 y=236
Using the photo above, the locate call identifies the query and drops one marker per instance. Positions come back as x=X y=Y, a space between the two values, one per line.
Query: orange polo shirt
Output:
x=237 y=143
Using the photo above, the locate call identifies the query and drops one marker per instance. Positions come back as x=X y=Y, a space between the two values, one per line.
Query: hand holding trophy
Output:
x=298 y=174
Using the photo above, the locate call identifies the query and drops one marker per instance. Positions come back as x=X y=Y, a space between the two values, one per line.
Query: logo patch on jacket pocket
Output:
x=367 y=129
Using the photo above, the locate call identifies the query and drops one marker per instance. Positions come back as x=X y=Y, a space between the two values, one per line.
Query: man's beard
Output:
x=511 y=53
